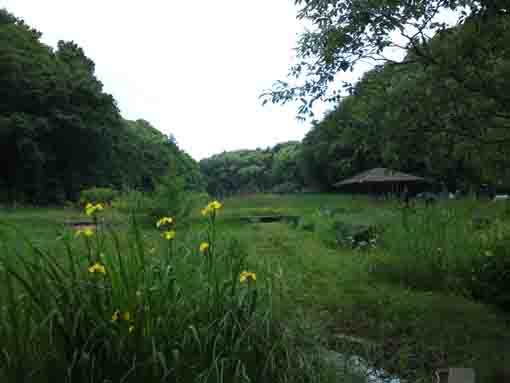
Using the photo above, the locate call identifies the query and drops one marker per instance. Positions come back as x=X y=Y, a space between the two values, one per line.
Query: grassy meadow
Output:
x=408 y=290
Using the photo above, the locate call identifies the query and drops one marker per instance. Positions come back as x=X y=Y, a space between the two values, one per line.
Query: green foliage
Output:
x=287 y=187
x=97 y=195
x=320 y=295
x=249 y=171
x=458 y=258
x=490 y=273
x=348 y=297
x=132 y=200
x=419 y=120
x=144 y=155
x=171 y=198
x=421 y=256
x=348 y=228
x=53 y=104
x=440 y=112
x=343 y=33
x=158 y=311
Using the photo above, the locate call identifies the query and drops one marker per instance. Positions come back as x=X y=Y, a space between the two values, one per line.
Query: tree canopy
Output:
x=248 y=171
x=441 y=110
x=418 y=118
x=60 y=132
x=346 y=32
x=445 y=119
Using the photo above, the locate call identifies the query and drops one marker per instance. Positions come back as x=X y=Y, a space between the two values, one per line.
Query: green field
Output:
x=407 y=298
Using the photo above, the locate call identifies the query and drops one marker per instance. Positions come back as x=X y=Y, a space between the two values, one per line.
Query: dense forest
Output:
x=418 y=118
x=61 y=133
x=274 y=169
x=442 y=112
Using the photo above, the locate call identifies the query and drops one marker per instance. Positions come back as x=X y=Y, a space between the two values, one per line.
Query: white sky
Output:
x=194 y=69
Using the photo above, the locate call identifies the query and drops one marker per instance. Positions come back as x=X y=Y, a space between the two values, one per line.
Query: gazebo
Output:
x=383 y=181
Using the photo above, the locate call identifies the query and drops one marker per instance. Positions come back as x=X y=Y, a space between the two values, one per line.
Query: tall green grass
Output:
x=131 y=306
x=307 y=293
x=443 y=248
x=420 y=320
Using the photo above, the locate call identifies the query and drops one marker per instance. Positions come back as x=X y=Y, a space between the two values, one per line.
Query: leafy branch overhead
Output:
x=344 y=33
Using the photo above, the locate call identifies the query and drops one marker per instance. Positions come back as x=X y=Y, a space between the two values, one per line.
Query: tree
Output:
x=402 y=117
x=440 y=111
x=346 y=32
x=61 y=133
x=250 y=171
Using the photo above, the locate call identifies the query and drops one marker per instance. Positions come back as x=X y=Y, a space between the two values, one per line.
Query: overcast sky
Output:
x=194 y=69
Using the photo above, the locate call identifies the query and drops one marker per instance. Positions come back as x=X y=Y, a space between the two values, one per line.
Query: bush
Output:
x=132 y=201
x=490 y=277
x=356 y=236
x=97 y=195
x=347 y=228
x=172 y=198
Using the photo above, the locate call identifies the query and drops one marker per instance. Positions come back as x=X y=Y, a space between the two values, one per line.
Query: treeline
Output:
x=442 y=113
x=61 y=133
x=447 y=119
x=274 y=169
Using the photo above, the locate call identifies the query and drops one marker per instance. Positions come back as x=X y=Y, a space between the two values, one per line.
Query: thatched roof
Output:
x=378 y=175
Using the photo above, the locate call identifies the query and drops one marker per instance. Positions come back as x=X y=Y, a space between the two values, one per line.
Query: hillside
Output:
x=61 y=133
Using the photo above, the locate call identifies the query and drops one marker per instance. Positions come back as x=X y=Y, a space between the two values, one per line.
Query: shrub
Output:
x=97 y=195
x=132 y=201
x=348 y=228
x=490 y=274
x=356 y=236
x=172 y=197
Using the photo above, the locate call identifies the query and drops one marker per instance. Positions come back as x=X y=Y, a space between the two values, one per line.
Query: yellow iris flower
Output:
x=164 y=221
x=246 y=276
x=204 y=246
x=88 y=232
x=215 y=205
x=168 y=235
x=211 y=207
x=97 y=268
x=91 y=209
x=119 y=316
x=116 y=316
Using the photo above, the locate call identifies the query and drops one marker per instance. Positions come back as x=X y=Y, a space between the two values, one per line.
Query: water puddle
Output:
x=357 y=368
